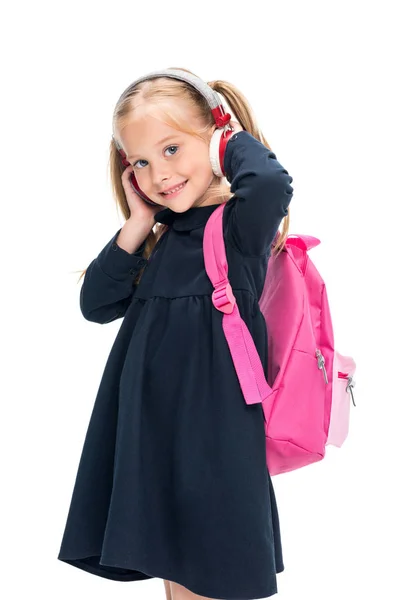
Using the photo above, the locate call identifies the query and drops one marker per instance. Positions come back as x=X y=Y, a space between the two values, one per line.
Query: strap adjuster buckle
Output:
x=223 y=298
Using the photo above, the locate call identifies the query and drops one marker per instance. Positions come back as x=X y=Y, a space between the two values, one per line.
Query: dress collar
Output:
x=195 y=217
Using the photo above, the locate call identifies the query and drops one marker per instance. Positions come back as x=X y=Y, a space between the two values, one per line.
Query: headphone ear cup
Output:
x=122 y=154
x=217 y=150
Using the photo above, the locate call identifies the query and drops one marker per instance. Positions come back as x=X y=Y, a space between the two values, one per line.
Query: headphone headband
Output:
x=201 y=86
x=221 y=118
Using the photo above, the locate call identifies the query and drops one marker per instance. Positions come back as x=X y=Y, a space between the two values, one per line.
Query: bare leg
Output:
x=168 y=592
x=181 y=593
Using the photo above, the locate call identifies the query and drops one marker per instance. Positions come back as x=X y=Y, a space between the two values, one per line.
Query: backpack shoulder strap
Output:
x=244 y=354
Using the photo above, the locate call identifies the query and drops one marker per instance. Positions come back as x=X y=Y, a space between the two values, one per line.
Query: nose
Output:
x=161 y=174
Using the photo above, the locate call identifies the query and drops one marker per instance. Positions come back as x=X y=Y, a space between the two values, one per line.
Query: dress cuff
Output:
x=117 y=262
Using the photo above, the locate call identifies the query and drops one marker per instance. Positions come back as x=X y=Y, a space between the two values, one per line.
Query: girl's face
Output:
x=163 y=158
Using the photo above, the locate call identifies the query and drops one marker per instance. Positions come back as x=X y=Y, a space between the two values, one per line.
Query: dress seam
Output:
x=136 y=297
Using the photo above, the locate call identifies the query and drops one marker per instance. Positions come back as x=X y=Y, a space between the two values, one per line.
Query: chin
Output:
x=179 y=205
x=180 y=208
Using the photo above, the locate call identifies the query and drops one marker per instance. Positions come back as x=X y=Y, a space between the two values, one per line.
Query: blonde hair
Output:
x=166 y=89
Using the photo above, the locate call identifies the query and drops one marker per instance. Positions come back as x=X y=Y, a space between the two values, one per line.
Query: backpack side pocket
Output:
x=342 y=394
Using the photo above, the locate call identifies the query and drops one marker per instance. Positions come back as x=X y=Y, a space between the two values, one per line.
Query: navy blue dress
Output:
x=172 y=481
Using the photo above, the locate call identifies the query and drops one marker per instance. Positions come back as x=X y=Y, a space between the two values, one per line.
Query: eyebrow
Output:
x=169 y=137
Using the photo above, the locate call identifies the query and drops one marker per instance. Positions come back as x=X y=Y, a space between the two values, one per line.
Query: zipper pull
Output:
x=321 y=363
x=349 y=387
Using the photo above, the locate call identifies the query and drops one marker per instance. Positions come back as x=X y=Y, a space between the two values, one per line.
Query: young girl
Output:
x=173 y=481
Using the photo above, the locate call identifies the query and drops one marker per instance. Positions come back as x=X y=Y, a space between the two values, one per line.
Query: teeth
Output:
x=174 y=190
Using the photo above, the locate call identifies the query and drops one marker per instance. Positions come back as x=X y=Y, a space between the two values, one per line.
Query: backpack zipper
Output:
x=321 y=363
x=350 y=384
x=350 y=381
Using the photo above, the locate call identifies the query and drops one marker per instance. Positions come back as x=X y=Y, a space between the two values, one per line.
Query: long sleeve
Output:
x=108 y=284
x=262 y=193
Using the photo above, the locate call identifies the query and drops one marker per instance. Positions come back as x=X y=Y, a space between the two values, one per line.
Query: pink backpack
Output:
x=307 y=405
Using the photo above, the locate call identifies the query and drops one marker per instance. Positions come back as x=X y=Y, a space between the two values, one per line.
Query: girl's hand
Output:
x=140 y=209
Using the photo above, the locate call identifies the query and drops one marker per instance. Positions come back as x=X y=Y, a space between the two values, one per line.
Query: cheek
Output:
x=198 y=168
x=143 y=178
x=186 y=166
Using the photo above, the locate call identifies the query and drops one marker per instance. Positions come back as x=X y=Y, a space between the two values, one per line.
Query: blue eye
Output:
x=138 y=161
x=172 y=147
x=142 y=160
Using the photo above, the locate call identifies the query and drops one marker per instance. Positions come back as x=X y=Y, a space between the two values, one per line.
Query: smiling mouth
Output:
x=176 y=190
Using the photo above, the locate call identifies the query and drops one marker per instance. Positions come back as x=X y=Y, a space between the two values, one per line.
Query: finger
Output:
x=127 y=171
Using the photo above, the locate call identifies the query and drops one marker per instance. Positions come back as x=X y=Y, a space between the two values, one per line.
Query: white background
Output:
x=321 y=78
